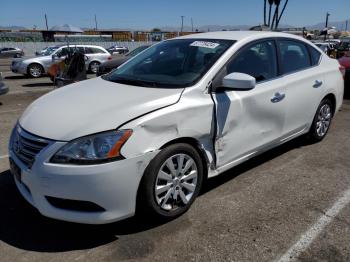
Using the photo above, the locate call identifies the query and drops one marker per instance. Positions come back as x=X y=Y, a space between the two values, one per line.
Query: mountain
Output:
x=12 y=27
x=340 y=25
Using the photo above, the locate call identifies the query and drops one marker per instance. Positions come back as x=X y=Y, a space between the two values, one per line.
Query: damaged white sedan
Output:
x=146 y=135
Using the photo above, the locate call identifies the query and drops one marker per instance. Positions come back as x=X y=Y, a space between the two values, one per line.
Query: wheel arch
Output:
x=196 y=145
x=333 y=100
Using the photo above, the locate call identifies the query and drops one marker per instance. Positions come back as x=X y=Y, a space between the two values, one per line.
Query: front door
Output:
x=248 y=121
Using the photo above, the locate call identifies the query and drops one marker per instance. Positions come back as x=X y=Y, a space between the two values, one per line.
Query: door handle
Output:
x=277 y=97
x=317 y=84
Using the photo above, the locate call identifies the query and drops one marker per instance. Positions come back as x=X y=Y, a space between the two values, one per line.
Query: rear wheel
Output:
x=171 y=182
x=35 y=70
x=93 y=67
x=322 y=121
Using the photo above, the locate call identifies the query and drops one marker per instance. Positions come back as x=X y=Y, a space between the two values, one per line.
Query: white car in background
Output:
x=37 y=66
x=147 y=135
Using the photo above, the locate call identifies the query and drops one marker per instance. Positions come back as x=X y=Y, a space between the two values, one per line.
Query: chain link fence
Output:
x=29 y=48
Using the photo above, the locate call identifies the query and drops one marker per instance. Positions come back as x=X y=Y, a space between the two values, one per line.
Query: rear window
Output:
x=93 y=50
x=294 y=56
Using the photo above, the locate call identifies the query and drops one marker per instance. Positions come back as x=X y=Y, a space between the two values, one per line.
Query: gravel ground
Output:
x=254 y=212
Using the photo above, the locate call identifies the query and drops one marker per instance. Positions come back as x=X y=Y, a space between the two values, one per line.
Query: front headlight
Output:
x=94 y=149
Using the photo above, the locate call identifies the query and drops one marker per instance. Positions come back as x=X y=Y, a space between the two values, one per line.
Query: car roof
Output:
x=238 y=35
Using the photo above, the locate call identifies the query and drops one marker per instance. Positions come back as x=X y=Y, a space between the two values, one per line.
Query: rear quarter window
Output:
x=315 y=56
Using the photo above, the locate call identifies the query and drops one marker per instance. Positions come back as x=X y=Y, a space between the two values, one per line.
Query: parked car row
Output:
x=8 y=52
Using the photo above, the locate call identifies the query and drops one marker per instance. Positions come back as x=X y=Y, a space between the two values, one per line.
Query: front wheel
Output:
x=35 y=70
x=171 y=182
x=322 y=121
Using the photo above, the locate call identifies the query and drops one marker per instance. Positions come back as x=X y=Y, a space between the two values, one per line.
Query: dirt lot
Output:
x=289 y=203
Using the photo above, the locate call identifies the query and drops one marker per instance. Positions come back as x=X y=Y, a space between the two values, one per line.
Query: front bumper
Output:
x=112 y=186
x=19 y=68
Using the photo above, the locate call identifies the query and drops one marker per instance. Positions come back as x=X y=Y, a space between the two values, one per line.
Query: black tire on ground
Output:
x=146 y=200
x=315 y=134
x=93 y=67
x=35 y=70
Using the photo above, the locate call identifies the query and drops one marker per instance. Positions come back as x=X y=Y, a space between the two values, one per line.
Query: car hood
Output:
x=92 y=106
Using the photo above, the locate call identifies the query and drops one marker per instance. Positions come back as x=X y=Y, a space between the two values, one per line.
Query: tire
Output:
x=35 y=70
x=322 y=121
x=170 y=203
x=93 y=67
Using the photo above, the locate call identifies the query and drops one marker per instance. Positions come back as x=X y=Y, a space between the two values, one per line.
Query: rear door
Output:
x=249 y=121
x=304 y=82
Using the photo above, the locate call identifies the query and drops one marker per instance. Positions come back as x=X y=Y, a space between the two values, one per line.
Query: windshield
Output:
x=171 y=64
x=137 y=50
x=49 y=51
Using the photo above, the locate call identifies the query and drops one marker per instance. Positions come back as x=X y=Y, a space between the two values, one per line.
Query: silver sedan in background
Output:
x=37 y=66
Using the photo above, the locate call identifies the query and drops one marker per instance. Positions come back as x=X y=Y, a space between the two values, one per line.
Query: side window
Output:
x=88 y=50
x=315 y=56
x=258 y=60
x=294 y=56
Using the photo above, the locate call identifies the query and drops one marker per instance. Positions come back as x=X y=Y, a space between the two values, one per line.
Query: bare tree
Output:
x=270 y=9
x=280 y=16
x=276 y=18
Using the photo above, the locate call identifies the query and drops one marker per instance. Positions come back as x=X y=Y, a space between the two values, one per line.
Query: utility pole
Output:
x=182 y=22
x=47 y=27
x=192 y=24
x=95 y=23
x=327 y=17
x=346 y=25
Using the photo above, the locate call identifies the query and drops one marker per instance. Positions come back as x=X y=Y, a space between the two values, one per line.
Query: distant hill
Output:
x=12 y=27
x=339 y=25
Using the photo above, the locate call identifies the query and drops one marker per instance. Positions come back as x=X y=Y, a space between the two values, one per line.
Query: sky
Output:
x=148 y=14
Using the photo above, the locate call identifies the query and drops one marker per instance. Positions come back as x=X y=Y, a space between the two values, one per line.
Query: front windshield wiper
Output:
x=133 y=81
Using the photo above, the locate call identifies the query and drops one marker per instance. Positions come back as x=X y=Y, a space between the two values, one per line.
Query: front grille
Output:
x=27 y=146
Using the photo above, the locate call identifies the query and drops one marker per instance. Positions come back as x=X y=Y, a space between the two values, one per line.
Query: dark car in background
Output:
x=343 y=48
x=3 y=88
x=6 y=52
x=108 y=66
x=115 y=49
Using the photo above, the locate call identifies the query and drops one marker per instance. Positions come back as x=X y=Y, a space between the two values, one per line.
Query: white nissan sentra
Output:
x=146 y=135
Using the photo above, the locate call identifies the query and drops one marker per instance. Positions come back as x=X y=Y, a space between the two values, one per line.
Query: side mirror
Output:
x=55 y=57
x=239 y=81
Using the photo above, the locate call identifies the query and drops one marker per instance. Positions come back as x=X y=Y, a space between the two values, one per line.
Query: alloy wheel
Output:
x=176 y=182
x=35 y=70
x=323 y=120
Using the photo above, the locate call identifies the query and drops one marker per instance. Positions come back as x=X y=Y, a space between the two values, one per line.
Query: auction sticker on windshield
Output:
x=205 y=44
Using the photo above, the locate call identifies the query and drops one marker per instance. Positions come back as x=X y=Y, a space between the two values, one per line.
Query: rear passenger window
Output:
x=315 y=56
x=93 y=50
x=294 y=56
x=258 y=60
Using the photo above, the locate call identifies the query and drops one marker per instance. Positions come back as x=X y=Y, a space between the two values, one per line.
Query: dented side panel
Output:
x=191 y=117
x=247 y=120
